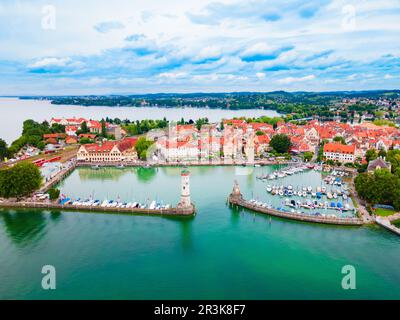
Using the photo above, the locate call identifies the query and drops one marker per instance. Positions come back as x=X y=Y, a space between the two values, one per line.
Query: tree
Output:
x=371 y=155
x=85 y=140
x=53 y=193
x=103 y=129
x=84 y=127
x=307 y=156
x=382 y=153
x=393 y=156
x=141 y=146
x=19 y=180
x=280 y=143
x=379 y=187
x=57 y=128
x=339 y=139
x=3 y=150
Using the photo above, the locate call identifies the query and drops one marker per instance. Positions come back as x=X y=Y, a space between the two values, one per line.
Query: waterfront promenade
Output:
x=139 y=163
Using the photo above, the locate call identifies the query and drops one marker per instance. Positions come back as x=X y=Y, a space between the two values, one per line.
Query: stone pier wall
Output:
x=50 y=205
x=239 y=201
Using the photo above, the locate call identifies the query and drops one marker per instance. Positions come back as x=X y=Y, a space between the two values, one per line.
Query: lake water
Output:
x=221 y=253
x=15 y=111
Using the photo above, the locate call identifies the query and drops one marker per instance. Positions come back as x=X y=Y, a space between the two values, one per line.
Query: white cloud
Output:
x=50 y=62
x=260 y=75
x=172 y=75
x=242 y=45
x=289 y=80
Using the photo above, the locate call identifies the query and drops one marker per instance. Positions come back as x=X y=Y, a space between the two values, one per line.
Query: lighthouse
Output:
x=185 y=189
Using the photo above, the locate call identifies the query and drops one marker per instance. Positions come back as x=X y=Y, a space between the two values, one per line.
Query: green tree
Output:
x=393 y=156
x=84 y=127
x=53 y=193
x=141 y=146
x=382 y=153
x=85 y=140
x=103 y=128
x=3 y=150
x=280 y=143
x=339 y=139
x=371 y=154
x=380 y=187
x=307 y=156
x=57 y=128
x=19 y=180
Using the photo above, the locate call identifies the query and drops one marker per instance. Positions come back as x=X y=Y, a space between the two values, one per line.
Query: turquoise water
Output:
x=220 y=253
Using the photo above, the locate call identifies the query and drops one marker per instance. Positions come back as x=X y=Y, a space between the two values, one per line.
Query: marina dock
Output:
x=236 y=199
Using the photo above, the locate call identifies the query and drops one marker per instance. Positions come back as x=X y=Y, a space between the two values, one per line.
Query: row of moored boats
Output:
x=284 y=173
x=154 y=205
x=304 y=191
x=263 y=205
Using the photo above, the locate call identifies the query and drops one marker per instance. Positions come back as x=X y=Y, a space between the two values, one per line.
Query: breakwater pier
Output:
x=174 y=211
x=236 y=199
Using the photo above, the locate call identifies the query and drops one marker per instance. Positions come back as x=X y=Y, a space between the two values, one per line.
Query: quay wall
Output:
x=180 y=164
x=239 y=201
x=385 y=223
x=50 y=205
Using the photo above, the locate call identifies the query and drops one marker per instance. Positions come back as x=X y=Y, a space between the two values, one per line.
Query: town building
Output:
x=379 y=163
x=108 y=151
x=339 y=152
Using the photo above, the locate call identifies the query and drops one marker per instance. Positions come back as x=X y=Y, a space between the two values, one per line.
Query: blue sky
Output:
x=120 y=46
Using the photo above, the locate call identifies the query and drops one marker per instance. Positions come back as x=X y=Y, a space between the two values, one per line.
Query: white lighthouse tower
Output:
x=185 y=189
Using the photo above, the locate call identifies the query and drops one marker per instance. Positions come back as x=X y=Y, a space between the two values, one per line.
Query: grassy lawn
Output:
x=383 y=212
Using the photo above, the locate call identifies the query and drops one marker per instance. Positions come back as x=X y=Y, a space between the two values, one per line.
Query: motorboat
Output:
x=104 y=203
x=152 y=205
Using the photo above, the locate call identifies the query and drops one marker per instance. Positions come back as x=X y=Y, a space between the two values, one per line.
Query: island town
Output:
x=350 y=156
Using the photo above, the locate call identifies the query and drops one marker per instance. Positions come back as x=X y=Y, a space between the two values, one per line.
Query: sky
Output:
x=120 y=47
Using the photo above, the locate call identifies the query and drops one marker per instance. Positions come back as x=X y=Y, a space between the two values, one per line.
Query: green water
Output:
x=219 y=254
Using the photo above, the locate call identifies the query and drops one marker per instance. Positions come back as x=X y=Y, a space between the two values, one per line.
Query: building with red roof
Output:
x=108 y=151
x=340 y=152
